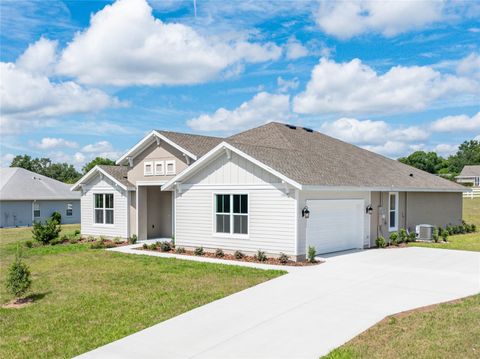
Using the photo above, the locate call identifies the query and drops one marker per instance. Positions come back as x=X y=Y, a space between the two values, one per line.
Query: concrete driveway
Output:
x=310 y=311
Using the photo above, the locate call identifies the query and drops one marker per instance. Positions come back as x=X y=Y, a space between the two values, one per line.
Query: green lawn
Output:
x=467 y=242
x=446 y=331
x=87 y=298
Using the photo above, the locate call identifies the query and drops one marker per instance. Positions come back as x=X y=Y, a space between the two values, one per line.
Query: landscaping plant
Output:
x=219 y=253
x=238 y=255
x=394 y=238
x=260 y=256
x=56 y=216
x=283 y=258
x=165 y=246
x=412 y=236
x=380 y=242
x=435 y=235
x=312 y=252
x=445 y=236
x=199 y=251
x=133 y=239
x=403 y=236
x=18 y=278
x=180 y=250
x=46 y=233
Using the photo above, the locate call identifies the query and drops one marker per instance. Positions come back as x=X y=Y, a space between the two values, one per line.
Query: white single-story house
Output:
x=470 y=175
x=26 y=197
x=276 y=188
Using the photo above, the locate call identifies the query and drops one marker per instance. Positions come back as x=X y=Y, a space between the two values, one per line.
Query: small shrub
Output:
x=445 y=236
x=29 y=244
x=435 y=235
x=219 y=253
x=393 y=238
x=18 y=278
x=179 y=250
x=412 y=236
x=165 y=246
x=77 y=232
x=199 y=251
x=97 y=245
x=449 y=229
x=238 y=255
x=473 y=227
x=45 y=233
x=283 y=258
x=56 y=216
x=117 y=240
x=133 y=239
x=312 y=252
x=380 y=242
x=153 y=246
x=260 y=256
x=402 y=236
x=90 y=239
x=145 y=246
x=64 y=238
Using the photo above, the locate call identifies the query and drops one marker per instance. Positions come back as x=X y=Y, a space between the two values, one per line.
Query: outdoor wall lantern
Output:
x=305 y=212
x=369 y=209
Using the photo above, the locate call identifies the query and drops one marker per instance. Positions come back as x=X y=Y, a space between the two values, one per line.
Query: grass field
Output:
x=86 y=298
x=449 y=330
x=468 y=242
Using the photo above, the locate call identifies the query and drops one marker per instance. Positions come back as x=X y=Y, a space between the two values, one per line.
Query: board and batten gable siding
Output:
x=163 y=152
x=271 y=211
x=121 y=208
x=304 y=196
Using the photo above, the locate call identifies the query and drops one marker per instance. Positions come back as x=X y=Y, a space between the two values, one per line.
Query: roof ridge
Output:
x=187 y=133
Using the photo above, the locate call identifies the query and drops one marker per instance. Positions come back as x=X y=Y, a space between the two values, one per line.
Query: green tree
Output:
x=425 y=161
x=97 y=161
x=63 y=172
x=18 y=278
x=468 y=154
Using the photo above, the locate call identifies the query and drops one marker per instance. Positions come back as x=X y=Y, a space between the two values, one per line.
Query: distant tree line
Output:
x=468 y=154
x=63 y=172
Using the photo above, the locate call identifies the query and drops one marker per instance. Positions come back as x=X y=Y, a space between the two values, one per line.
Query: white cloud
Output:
x=371 y=132
x=286 y=85
x=477 y=138
x=99 y=147
x=49 y=142
x=294 y=49
x=470 y=66
x=445 y=149
x=345 y=19
x=459 y=123
x=390 y=148
x=39 y=58
x=353 y=87
x=126 y=45
x=6 y=159
x=263 y=107
x=25 y=95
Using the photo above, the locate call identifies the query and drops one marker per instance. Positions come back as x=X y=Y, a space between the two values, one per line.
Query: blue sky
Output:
x=87 y=78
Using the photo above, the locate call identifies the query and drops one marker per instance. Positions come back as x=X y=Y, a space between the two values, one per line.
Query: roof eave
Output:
x=382 y=189
x=91 y=173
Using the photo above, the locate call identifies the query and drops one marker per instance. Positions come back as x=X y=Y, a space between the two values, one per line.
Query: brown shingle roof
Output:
x=119 y=173
x=196 y=144
x=312 y=158
x=470 y=171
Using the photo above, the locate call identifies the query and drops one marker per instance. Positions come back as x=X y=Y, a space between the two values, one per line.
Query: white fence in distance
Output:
x=474 y=194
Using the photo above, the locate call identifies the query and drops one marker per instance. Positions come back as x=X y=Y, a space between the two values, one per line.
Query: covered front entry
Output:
x=335 y=225
x=155 y=213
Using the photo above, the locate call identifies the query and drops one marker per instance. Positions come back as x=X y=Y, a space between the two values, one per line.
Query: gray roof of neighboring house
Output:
x=20 y=184
x=196 y=144
x=118 y=172
x=470 y=171
x=312 y=158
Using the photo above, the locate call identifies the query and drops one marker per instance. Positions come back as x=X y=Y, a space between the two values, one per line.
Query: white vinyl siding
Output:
x=271 y=212
x=119 y=228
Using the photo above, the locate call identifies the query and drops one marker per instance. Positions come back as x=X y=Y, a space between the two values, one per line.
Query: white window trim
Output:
x=35 y=205
x=394 y=228
x=230 y=235
x=162 y=171
x=174 y=171
x=145 y=164
x=69 y=206
x=104 y=210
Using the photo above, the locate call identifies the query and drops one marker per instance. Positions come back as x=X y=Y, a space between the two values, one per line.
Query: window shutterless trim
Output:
x=174 y=167
x=104 y=209
x=231 y=215
x=395 y=227
x=145 y=165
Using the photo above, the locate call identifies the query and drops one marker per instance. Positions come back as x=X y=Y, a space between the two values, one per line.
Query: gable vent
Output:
x=292 y=127
x=308 y=129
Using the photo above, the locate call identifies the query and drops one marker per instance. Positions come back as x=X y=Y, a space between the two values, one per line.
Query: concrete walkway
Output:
x=309 y=311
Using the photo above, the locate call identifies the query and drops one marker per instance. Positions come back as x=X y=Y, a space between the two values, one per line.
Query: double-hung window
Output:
x=104 y=208
x=36 y=210
x=159 y=168
x=171 y=168
x=69 y=211
x=148 y=168
x=231 y=214
x=393 y=211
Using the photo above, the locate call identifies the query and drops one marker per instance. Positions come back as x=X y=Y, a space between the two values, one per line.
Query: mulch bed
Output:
x=231 y=257
x=18 y=303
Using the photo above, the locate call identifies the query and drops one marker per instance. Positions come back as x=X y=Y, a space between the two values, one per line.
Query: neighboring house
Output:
x=470 y=175
x=275 y=188
x=26 y=197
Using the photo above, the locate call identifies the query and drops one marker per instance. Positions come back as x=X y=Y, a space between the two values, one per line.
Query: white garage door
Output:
x=335 y=225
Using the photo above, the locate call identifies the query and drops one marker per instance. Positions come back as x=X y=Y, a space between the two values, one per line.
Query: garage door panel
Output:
x=335 y=225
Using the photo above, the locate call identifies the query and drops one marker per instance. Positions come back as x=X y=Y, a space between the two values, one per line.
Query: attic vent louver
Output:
x=292 y=127
x=308 y=129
